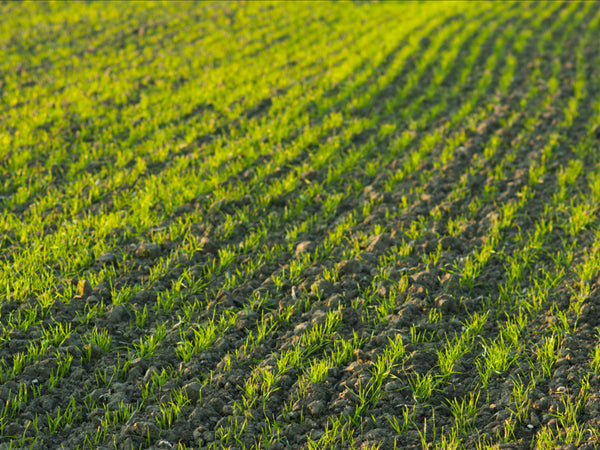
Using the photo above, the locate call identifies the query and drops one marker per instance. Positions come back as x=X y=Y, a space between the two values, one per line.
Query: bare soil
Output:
x=214 y=380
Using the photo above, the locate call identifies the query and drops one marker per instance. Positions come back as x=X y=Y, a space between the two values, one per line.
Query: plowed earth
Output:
x=300 y=226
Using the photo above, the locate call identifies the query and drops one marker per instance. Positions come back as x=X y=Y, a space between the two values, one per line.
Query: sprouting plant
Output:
x=58 y=334
x=90 y=312
x=595 y=355
x=449 y=357
x=141 y=317
x=521 y=400
x=146 y=347
x=101 y=339
x=103 y=378
x=422 y=386
x=64 y=365
x=547 y=354
x=408 y=415
x=464 y=411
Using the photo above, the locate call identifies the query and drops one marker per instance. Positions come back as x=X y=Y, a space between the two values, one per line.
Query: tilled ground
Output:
x=429 y=282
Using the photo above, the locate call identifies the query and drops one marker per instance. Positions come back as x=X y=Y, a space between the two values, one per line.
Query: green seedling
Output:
x=146 y=347
x=547 y=353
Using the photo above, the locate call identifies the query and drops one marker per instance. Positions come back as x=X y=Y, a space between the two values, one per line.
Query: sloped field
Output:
x=299 y=225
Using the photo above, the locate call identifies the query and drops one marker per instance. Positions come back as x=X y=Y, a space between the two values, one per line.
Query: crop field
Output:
x=299 y=225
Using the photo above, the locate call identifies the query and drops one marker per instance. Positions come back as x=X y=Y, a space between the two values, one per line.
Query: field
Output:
x=299 y=225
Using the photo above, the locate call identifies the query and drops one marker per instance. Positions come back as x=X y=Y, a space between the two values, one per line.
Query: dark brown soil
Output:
x=460 y=186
